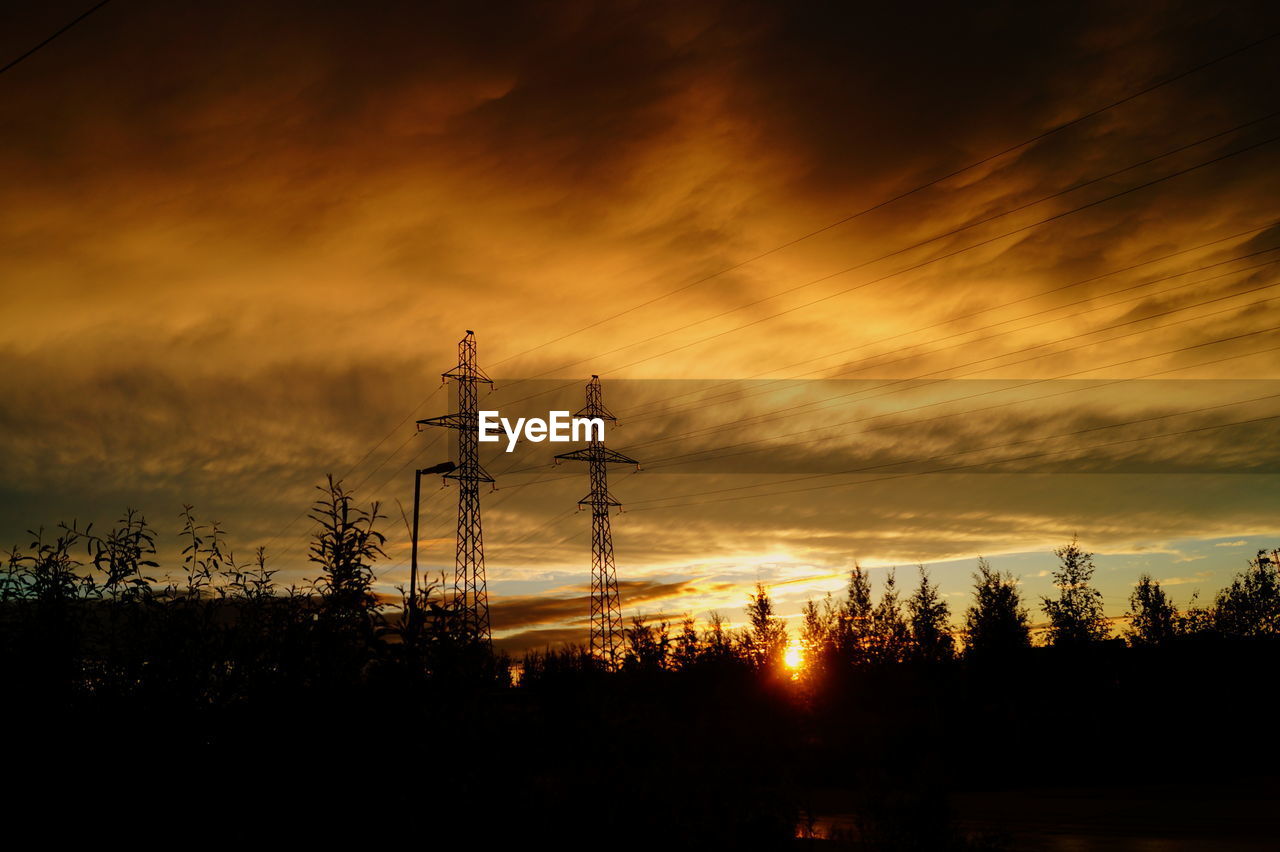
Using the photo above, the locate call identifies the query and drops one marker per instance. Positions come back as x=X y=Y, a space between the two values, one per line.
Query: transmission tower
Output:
x=606 y=612
x=470 y=595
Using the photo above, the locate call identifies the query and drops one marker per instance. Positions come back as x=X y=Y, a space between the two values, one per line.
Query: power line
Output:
x=922 y=264
x=352 y=489
x=1036 y=381
x=358 y=462
x=661 y=462
x=290 y=548
x=74 y=21
x=1122 y=324
x=672 y=460
x=951 y=254
x=981 y=449
x=1200 y=165
x=796 y=381
x=545 y=525
x=945 y=469
x=972 y=363
x=403 y=422
x=647 y=411
x=920 y=244
x=1132 y=189
x=934 y=182
x=796 y=409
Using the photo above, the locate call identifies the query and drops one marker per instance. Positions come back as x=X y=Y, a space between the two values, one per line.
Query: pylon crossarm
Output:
x=449 y=421
x=597 y=453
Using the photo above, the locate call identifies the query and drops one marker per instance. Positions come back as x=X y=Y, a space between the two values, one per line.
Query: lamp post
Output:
x=443 y=467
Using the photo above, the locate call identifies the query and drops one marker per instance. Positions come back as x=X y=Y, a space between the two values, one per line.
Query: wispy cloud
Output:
x=1199 y=577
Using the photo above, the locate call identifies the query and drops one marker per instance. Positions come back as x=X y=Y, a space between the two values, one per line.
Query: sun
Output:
x=793 y=657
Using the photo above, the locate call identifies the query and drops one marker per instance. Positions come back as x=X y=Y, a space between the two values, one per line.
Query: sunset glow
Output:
x=793 y=657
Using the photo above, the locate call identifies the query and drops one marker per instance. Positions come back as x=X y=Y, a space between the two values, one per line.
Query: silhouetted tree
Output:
x=1250 y=606
x=767 y=639
x=997 y=622
x=687 y=645
x=1076 y=616
x=853 y=639
x=717 y=642
x=1153 y=619
x=889 y=635
x=1196 y=620
x=819 y=637
x=647 y=644
x=930 y=623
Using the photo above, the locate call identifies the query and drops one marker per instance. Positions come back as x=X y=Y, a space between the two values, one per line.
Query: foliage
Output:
x=854 y=636
x=648 y=645
x=996 y=622
x=1250 y=606
x=1153 y=619
x=930 y=623
x=345 y=546
x=889 y=637
x=766 y=640
x=1076 y=617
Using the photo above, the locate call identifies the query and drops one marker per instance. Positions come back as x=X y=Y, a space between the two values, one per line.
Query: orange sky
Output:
x=239 y=243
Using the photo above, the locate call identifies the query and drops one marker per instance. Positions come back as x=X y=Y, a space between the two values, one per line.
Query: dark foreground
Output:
x=1101 y=748
x=221 y=707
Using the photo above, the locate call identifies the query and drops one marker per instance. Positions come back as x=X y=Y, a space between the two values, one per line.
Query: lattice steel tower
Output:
x=470 y=594
x=606 y=612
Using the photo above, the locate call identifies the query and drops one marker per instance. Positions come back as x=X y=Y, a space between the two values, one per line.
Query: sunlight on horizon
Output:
x=793 y=657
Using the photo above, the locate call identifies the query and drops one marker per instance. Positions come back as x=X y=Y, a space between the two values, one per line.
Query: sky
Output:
x=239 y=243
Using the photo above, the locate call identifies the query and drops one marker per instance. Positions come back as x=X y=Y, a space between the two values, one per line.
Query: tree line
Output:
x=85 y=608
x=858 y=629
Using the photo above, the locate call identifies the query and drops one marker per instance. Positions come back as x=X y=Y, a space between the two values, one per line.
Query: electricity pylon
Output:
x=470 y=594
x=606 y=611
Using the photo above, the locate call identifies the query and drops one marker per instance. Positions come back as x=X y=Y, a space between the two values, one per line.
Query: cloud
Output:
x=234 y=263
x=513 y=613
x=1199 y=577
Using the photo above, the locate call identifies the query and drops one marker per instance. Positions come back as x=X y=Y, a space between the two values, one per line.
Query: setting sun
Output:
x=794 y=656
